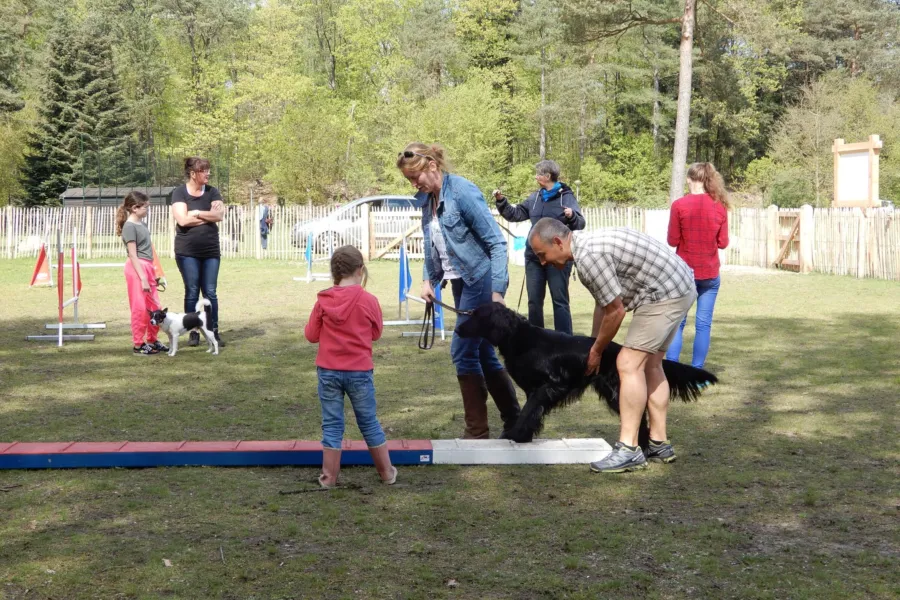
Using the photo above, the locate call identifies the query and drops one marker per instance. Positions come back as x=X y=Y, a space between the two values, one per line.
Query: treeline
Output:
x=316 y=97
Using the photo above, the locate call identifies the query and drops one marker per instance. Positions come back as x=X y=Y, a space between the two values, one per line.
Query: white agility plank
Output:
x=506 y=452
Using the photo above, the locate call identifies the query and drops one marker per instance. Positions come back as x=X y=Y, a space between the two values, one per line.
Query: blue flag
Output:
x=405 y=275
x=438 y=310
x=309 y=249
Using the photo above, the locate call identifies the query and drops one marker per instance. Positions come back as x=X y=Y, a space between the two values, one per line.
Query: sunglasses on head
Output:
x=410 y=154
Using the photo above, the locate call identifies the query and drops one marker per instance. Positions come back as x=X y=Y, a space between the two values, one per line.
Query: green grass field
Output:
x=786 y=485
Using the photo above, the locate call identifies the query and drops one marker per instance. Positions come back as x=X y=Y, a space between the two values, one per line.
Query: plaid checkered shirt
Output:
x=622 y=262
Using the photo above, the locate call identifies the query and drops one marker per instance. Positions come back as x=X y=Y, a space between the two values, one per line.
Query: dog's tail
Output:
x=201 y=304
x=687 y=382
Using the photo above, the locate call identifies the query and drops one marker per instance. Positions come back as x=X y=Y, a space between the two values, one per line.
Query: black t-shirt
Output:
x=201 y=241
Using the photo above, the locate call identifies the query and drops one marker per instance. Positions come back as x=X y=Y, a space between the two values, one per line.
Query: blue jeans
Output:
x=200 y=274
x=472 y=356
x=537 y=277
x=360 y=386
x=707 y=290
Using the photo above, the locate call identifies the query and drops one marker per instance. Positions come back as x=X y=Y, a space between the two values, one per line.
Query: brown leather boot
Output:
x=382 y=459
x=331 y=467
x=503 y=391
x=474 y=395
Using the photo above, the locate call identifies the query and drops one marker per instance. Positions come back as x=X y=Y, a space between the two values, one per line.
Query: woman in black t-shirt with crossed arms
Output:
x=196 y=208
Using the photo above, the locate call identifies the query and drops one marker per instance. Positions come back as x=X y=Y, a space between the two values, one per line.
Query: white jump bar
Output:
x=66 y=338
x=505 y=452
x=94 y=265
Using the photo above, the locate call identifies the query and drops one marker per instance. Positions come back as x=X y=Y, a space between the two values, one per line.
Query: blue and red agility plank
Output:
x=95 y=455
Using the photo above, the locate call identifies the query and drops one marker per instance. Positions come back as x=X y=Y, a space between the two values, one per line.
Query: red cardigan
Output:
x=698 y=228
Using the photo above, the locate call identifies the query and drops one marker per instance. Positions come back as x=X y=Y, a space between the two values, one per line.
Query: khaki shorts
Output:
x=653 y=325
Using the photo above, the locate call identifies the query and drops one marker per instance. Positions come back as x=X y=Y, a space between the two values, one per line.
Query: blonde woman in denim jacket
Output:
x=463 y=245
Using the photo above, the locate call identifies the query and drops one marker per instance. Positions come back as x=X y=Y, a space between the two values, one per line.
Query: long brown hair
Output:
x=712 y=181
x=416 y=156
x=345 y=261
x=133 y=200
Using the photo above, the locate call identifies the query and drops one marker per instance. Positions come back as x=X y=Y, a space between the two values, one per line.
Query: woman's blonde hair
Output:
x=712 y=181
x=345 y=261
x=132 y=200
x=416 y=156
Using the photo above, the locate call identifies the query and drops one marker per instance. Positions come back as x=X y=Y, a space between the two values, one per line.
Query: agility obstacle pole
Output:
x=63 y=302
x=310 y=275
x=404 y=285
x=94 y=455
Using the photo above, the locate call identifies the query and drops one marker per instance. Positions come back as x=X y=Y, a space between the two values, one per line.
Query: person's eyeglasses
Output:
x=410 y=154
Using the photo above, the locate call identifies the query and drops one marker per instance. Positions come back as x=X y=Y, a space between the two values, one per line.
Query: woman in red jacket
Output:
x=698 y=229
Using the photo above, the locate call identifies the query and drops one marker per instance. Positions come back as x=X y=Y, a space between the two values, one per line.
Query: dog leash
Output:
x=426 y=343
x=441 y=304
x=429 y=322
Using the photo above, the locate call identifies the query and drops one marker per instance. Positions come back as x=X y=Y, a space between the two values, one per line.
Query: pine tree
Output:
x=103 y=133
x=47 y=168
x=84 y=128
x=10 y=99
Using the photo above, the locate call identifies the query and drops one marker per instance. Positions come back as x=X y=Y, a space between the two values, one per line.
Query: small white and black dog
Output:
x=174 y=324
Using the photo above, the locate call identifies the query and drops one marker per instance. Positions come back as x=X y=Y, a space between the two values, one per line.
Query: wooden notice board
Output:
x=856 y=173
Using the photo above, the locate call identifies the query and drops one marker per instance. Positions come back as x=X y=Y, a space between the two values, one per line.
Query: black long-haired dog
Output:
x=549 y=366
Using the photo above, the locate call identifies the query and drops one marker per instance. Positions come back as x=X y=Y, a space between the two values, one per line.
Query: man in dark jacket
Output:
x=556 y=200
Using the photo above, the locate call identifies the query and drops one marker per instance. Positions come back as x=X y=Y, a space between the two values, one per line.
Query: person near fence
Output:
x=556 y=200
x=265 y=223
x=197 y=209
x=463 y=245
x=625 y=270
x=345 y=320
x=698 y=229
x=140 y=276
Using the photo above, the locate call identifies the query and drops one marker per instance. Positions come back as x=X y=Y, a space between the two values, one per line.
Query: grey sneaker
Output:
x=621 y=460
x=194 y=339
x=663 y=453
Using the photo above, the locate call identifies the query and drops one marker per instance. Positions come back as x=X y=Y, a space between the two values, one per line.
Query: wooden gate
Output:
x=788 y=236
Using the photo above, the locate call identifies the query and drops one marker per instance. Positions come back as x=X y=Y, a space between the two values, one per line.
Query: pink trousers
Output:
x=141 y=302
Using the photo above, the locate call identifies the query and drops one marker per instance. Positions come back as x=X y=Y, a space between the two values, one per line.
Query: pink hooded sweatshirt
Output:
x=345 y=321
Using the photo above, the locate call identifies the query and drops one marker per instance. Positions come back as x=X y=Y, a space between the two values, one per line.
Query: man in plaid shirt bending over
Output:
x=625 y=270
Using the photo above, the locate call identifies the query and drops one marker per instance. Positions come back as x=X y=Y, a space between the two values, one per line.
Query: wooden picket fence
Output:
x=838 y=241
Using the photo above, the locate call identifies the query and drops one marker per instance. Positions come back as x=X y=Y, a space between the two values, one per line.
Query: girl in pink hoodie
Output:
x=345 y=321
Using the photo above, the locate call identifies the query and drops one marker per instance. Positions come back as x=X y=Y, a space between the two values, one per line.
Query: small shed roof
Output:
x=113 y=192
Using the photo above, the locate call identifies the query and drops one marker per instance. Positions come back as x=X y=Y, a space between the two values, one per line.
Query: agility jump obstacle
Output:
x=404 y=284
x=93 y=455
x=63 y=302
x=310 y=275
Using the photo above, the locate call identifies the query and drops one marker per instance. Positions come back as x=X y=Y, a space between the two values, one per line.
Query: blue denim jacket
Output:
x=474 y=243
